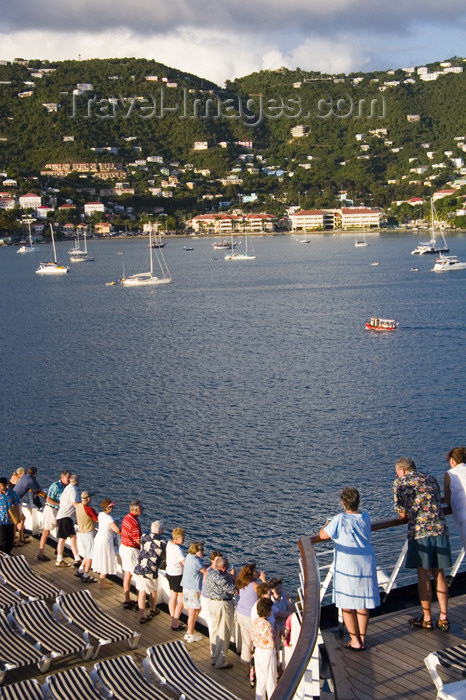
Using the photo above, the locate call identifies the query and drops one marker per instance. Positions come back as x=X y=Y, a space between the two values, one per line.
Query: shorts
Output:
x=49 y=518
x=428 y=553
x=65 y=528
x=129 y=557
x=175 y=583
x=147 y=585
x=86 y=544
x=192 y=599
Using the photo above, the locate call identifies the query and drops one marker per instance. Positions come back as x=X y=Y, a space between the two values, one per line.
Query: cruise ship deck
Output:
x=391 y=667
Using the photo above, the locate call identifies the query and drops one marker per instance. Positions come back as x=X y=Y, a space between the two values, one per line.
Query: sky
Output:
x=226 y=39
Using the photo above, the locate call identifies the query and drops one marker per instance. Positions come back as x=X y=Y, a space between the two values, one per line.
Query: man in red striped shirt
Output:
x=129 y=548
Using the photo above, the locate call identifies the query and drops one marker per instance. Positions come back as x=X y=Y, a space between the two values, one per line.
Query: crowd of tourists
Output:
x=260 y=606
x=261 y=609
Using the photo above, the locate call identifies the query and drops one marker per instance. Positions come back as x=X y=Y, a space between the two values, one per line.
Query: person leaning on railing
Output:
x=417 y=497
x=355 y=588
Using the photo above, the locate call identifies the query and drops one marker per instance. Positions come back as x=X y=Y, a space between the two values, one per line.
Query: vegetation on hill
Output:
x=136 y=117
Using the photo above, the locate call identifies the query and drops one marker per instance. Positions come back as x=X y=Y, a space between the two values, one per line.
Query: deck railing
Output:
x=390 y=548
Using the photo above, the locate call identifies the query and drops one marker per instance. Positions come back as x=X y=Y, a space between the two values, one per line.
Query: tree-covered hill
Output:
x=139 y=108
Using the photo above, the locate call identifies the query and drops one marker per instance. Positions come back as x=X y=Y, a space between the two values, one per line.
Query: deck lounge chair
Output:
x=81 y=609
x=16 y=572
x=16 y=651
x=121 y=677
x=8 y=597
x=74 y=683
x=35 y=619
x=25 y=690
x=172 y=664
x=453 y=657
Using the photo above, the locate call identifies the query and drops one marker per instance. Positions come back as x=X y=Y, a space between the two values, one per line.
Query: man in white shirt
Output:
x=66 y=517
x=454 y=488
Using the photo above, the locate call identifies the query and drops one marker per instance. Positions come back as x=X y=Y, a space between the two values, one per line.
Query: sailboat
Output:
x=361 y=242
x=244 y=255
x=432 y=246
x=304 y=240
x=29 y=248
x=52 y=267
x=144 y=279
x=77 y=254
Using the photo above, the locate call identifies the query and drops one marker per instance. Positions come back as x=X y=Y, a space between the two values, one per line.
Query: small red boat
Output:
x=381 y=324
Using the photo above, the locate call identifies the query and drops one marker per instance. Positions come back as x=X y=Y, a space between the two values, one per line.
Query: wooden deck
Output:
x=393 y=664
x=158 y=631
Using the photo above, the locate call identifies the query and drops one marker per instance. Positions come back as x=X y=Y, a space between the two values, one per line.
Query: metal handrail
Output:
x=294 y=671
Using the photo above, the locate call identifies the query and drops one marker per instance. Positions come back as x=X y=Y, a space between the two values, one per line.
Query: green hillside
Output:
x=135 y=117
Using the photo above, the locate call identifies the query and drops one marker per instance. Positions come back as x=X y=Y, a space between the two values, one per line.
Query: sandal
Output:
x=153 y=613
x=444 y=625
x=419 y=623
x=348 y=646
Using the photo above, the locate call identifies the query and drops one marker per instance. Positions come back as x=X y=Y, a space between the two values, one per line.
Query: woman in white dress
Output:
x=103 y=558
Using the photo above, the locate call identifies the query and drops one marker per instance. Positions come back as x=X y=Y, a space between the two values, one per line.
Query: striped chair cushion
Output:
x=14 y=650
x=81 y=608
x=74 y=683
x=37 y=621
x=173 y=662
x=26 y=690
x=19 y=575
x=122 y=677
x=454 y=656
x=8 y=598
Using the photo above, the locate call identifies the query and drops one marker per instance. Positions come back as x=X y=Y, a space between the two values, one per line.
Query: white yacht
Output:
x=445 y=263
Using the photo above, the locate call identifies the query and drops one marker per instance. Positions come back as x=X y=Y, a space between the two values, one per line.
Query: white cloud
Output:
x=231 y=38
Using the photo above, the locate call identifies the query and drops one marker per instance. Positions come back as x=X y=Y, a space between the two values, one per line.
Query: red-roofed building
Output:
x=92 y=207
x=307 y=220
x=223 y=224
x=360 y=217
x=442 y=193
x=30 y=201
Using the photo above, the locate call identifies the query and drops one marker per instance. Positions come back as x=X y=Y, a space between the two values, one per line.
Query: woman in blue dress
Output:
x=355 y=588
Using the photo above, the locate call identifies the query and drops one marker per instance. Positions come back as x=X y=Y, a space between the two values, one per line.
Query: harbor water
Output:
x=238 y=400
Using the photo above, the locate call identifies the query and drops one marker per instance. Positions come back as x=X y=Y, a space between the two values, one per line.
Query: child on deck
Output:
x=265 y=657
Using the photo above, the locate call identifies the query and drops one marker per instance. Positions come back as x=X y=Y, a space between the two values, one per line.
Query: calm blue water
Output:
x=238 y=400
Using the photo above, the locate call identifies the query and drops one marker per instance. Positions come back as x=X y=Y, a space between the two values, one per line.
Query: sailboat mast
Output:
x=150 y=252
x=53 y=245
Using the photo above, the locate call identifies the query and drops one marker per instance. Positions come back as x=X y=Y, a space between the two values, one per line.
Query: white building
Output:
x=93 y=207
x=355 y=217
x=29 y=201
x=307 y=220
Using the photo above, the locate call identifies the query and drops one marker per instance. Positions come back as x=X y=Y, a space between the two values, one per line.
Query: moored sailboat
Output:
x=432 y=246
x=52 y=267
x=28 y=248
x=78 y=254
x=145 y=279
x=244 y=255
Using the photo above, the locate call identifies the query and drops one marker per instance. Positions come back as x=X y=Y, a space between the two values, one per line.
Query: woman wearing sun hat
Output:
x=104 y=560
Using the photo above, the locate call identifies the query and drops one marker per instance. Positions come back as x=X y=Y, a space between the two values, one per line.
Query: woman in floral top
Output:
x=146 y=571
x=265 y=658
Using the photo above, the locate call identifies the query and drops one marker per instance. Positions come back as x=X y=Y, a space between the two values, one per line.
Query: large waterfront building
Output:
x=223 y=224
